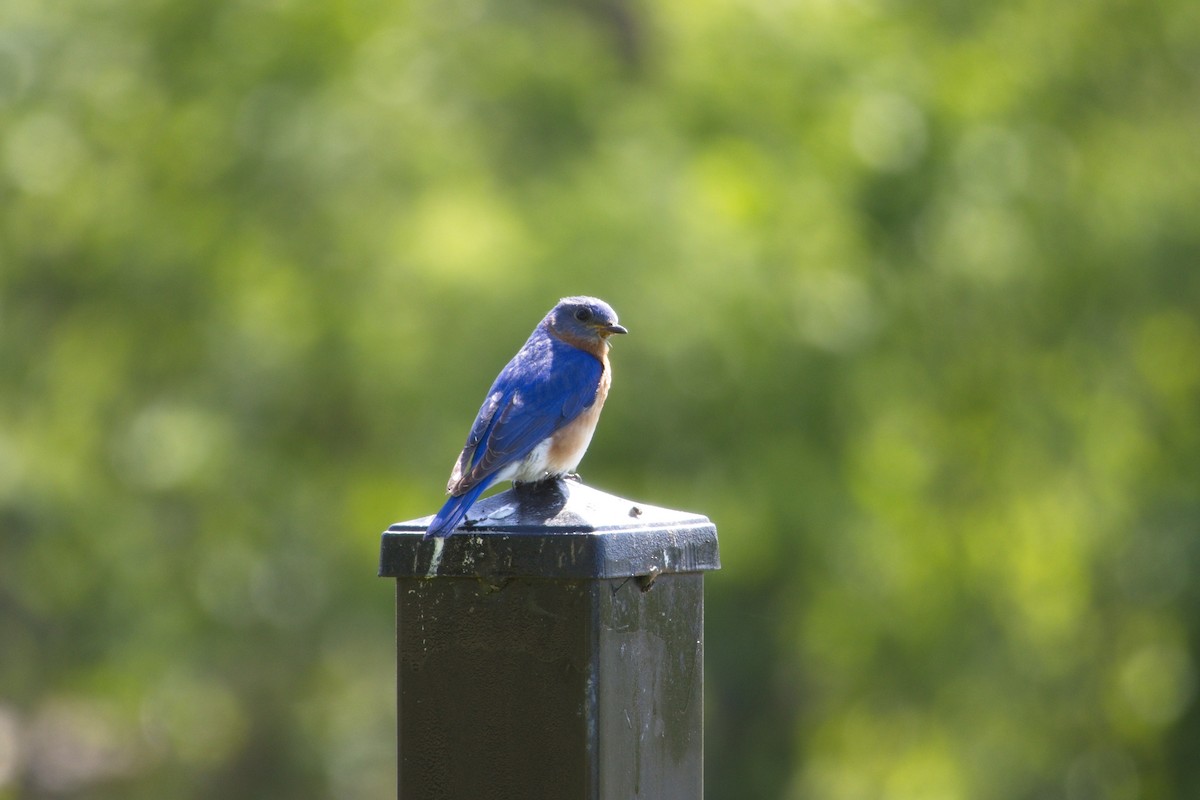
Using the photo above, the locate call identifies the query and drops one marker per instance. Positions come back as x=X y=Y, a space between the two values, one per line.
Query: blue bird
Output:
x=541 y=411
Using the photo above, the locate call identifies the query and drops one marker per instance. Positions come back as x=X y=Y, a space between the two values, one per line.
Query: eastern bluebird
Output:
x=541 y=411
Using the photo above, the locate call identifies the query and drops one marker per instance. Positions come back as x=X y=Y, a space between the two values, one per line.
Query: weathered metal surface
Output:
x=560 y=529
x=553 y=650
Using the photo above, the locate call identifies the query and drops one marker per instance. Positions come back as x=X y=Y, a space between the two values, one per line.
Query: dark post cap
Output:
x=554 y=529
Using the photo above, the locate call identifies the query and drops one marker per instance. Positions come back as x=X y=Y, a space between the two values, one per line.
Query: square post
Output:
x=554 y=649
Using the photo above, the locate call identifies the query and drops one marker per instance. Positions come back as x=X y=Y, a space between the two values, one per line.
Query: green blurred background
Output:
x=914 y=304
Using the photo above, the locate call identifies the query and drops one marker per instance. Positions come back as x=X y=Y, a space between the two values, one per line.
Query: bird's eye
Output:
x=583 y=314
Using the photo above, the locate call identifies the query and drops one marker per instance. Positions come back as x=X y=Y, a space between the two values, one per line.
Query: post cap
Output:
x=554 y=529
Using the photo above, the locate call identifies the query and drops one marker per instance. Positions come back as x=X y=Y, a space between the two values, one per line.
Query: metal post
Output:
x=552 y=650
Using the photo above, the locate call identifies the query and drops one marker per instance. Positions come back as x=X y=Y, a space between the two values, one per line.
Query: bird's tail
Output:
x=455 y=509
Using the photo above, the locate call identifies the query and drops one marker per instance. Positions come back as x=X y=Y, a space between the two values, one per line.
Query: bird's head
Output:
x=583 y=320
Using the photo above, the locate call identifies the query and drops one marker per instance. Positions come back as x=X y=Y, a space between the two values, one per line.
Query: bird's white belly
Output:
x=533 y=467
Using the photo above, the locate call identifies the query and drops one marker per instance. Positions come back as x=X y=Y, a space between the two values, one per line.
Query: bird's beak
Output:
x=611 y=329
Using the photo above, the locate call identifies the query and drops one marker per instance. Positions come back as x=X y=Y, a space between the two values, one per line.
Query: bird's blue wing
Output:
x=544 y=387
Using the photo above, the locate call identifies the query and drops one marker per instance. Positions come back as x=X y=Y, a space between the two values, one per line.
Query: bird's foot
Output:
x=543 y=497
x=573 y=476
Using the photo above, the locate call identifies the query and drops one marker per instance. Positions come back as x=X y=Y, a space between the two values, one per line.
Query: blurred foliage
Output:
x=914 y=298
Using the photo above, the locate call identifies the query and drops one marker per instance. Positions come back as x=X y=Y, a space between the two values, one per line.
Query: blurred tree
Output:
x=913 y=294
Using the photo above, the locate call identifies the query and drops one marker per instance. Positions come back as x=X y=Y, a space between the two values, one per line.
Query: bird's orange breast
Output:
x=570 y=442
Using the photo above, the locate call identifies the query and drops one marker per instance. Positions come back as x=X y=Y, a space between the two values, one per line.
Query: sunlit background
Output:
x=915 y=308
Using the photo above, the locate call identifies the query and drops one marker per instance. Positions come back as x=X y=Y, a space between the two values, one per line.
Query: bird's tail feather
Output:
x=456 y=509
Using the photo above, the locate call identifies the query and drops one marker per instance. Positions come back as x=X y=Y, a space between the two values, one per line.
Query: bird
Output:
x=540 y=413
